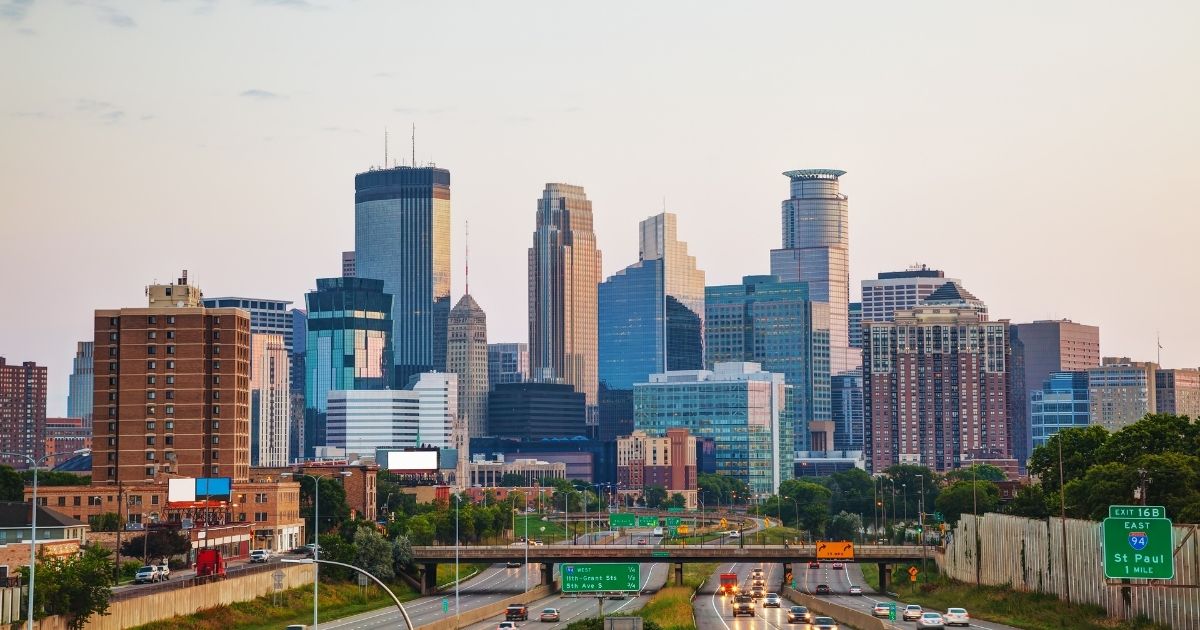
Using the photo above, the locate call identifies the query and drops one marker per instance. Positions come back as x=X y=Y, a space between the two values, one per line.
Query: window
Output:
x=216 y=439
x=216 y=395
x=149 y=426
x=153 y=319
x=149 y=473
x=153 y=334
x=241 y=517
x=112 y=352
x=171 y=320
x=216 y=424
x=171 y=379
x=170 y=410
x=112 y=381
x=171 y=365
x=112 y=367
x=63 y=501
x=216 y=320
x=170 y=394
x=95 y=500
x=216 y=380
x=149 y=440
x=260 y=517
x=112 y=336
x=170 y=440
x=216 y=454
x=152 y=365
x=216 y=365
x=150 y=380
x=151 y=395
x=170 y=425
x=154 y=500
x=170 y=349
x=260 y=497
x=112 y=321
x=75 y=500
x=216 y=334
x=216 y=349
x=149 y=456
x=151 y=350
x=216 y=410
x=170 y=334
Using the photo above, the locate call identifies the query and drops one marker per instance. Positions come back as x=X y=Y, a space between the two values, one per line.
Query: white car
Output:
x=260 y=555
x=856 y=590
x=772 y=600
x=147 y=574
x=881 y=610
x=931 y=620
x=957 y=617
x=912 y=612
x=733 y=533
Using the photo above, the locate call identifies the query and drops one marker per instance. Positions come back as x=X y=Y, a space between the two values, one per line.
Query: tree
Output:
x=334 y=509
x=678 y=500
x=161 y=544
x=912 y=478
x=12 y=487
x=844 y=526
x=964 y=497
x=980 y=472
x=655 y=496
x=75 y=587
x=106 y=522
x=402 y=556
x=1030 y=502
x=852 y=491
x=373 y=553
x=54 y=478
x=1155 y=434
x=1080 y=451
x=1103 y=485
x=334 y=547
x=421 y=529
x=813 y=501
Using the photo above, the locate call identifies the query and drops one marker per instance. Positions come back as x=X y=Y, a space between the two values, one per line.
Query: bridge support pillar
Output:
x=885 y=572
x=429 y=579
x=678 y=574
x=787 y=573
x=548 y=574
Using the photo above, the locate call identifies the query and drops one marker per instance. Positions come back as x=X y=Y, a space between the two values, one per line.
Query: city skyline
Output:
x=1080 y=107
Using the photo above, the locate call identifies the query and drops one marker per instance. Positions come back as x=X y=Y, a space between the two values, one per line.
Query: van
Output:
x=658 y=531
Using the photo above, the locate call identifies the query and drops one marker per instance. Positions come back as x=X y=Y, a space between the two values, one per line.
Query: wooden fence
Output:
x=1028 y=555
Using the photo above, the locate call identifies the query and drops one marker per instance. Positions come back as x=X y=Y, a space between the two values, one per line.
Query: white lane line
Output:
x=713 y=599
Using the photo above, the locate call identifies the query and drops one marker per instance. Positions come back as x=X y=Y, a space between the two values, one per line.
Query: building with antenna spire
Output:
x=467 y=356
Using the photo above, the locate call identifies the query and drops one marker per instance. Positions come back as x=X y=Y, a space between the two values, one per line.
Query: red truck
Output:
x=209 y=564
x=729 y=583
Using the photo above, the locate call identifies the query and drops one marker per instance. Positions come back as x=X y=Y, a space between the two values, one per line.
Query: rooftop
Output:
x=16 y=514
x=814 y=173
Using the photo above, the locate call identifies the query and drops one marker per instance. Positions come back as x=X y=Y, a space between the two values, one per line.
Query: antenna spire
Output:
x=414 y=145
x=1158 y=342
x=467 y=241
x=385 y=147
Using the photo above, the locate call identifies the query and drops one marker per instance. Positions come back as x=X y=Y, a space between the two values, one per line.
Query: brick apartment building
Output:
x=668 y=461
x=360 y=483
x=64 y=436
x=22 y=411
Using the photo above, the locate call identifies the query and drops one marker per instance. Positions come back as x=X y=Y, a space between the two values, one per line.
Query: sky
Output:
x=1044 y=153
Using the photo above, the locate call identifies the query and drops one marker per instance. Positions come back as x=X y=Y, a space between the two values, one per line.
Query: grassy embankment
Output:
x=553 y=532
x=1034 y=611
x=671 y=607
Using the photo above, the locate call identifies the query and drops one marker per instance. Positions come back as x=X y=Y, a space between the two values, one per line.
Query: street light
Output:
x=921 y=524
x=457 y=573
x=316 y=531
x=34 y=463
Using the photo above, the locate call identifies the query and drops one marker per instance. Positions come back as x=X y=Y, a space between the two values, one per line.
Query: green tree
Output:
x=1173 y=481
x=844 y=526
x=334 y=547
x=75 y=587
x=373 y=553
x=678 y=501
x=402 y=554
x=54 y=478
x=421 y=530
x=976 y=472
x=1030 y=502
x=852 y=491
x=655 y=496
x=1103 y=485
x=813 y=499
x=334 y=509
x=1080 y=451
x=1154 y=434
x=964 y=497
x=12 y=487
x=160 y=544
x=909 y=479
x=106 y=522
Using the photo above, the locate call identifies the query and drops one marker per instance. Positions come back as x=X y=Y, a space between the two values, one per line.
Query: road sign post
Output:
x=601 y=577
x=1138 y=545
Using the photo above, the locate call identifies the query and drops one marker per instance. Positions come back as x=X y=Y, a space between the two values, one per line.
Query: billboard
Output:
x=183 y=492
x=412 y=461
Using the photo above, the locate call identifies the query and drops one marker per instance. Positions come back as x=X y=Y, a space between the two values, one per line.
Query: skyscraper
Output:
x=1040 y=349
x=270 y=400
x=349 y=346
x=1060 y=403
x=1121 y=391
x=507 y=363
x=467 y=356
x=564 y=273
x=935 y=385
x=402 y=237
x=348 y=270
x=22 y=411
x=816 y=250
x=299 y=344
x=272 y=317
x=846 y=401
x=79 y=394
x=777 y=325
x=172 y=389
x=855 y=325
x=896 y=290
x=1178 y=392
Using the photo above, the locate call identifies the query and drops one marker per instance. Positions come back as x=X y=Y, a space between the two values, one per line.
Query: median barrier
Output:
x=846 y=616
x=476 y=615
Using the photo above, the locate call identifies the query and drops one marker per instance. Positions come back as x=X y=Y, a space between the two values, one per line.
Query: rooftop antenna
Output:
x=664 y=203
x=385 y=147
x=1158 y=342
x=414 y=145
x=467 y=241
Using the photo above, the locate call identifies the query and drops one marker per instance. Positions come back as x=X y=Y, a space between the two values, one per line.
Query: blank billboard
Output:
x=412 y=460
x=181 y=490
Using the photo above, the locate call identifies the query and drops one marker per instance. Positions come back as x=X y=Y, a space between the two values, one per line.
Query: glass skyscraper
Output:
x=79 y=396
x=1061 y=403
x=349 y=346
x=402 y=237
x=777 y=325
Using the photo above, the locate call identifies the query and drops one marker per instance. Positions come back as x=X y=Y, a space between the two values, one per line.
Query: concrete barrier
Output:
x=845 y=616
x=475 y=615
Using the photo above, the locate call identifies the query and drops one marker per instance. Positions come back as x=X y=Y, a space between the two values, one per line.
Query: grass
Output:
x=673 y=604
x=445 y=572
x=554 y=531
x=773 y=536
x=295 y=607
x=1034 y=611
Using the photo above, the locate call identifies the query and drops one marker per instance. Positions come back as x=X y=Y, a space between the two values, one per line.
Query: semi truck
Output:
x=729 y=583
x=210 y=565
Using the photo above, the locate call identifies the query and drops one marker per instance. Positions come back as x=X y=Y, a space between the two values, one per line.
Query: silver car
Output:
x=931 y=620
x=772 y=600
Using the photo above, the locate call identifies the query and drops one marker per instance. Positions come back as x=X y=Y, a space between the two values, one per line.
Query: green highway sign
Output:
x=647 y=521
x=599 y=577
x=1137 y=511
x=673 y=521
x=660 y=554
x=674 y=509
x=621 y=519
x=1138 y=548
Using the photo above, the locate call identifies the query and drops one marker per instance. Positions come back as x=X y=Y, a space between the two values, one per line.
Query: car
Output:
x=260 y=555
x=757 y=592
x=912 y=612
x=147 y=574
x=957 y=617
x=733 y=533
x=743 y=605
x=549 y=614
x=165 y=570
x=537 y=542
x=814 y=565
x=881 y=610
x=931 y=620
x=823 y=623
x=772 y=600
x=823 y=589
x=516 y=612
x=641 y=541
x=309 y=548
x=799 y=614
x=838 y=565
x=512 y=564
x=758 y=582
x=856 y=590
x=506 y=625
x=756 y=571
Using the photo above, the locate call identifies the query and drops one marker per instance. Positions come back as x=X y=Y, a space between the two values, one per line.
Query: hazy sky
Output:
x=1045 y=153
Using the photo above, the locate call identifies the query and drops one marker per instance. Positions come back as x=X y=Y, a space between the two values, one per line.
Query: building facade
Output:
x=270 y=400
x=1040 y=349
x=778 y=326
x=1178 y=392
x=348 y=266
x=1060 y=403
x=536 y=410
x=272 y=317
x=79 y=393
x=564 y=273
x=816 y=251
x=854 y=327
x=65 y=436
x=846 y=402
x=1121 y=391
x=172 y=389
x=402 y=237
x=739 y=405
x=348 y=346
x=892 y=291
x=667 y=461
x=935 y=385
x=533 y=472
x=507 y=363
x=22 y=411
x=467 y=356
x=299 y=347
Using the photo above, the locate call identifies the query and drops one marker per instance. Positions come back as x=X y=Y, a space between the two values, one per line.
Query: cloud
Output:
x=41 y=113
x=14 y=10
x=115 y=17
x=261 y=95
x=101 y=111
x=291 y=4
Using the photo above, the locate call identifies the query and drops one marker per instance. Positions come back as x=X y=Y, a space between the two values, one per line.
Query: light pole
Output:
x=316 y=531
x=526 y=568
x=34 y=463
x=904 y=489
x=921 y=524
x=457 y=574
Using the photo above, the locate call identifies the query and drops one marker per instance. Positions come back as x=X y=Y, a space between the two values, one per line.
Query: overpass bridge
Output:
x=549 y=555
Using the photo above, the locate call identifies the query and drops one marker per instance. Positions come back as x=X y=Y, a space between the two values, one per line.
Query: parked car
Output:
x=147 y=574
x=912 y=612
x=549 y=614
x=881 y=609
x=260 y=555
x=743 y=605
x=957 y=617
x=856 y=590
x=165 y=570
x=823 y=623
x=823 y=589
x=799 y=614
x=516 y=612
x=931 y=620
x=772 y=600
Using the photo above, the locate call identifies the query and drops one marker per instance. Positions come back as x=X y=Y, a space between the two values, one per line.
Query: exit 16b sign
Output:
x=1138 y=548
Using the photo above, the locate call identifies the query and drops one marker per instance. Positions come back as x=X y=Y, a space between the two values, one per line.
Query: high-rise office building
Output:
x=564 y=273
x=740 y=406
x=299 y=345
x=1121 y=391
x=1178 y=392
x=1040 y=349
x=348 y=266
x=1060 y=403
x=507 y=363
x=270 y=400
x=935 y=385
x=172 y=389
x=79 y=394
x=816 y=250
x=349 y=346
x=854 y=327
x=533 y=411
x=402 y=237
x=846 y=402
x=467 y=356
x=22 y=411
x=777 y=325
x=896 y=290
x=362 y=421
x=271 y=317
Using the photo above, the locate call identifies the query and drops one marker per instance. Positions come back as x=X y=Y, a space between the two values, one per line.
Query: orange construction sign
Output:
x=843 y=550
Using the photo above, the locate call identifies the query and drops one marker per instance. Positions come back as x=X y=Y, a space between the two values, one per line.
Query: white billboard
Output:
x=181 y=490
x=412 y=460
